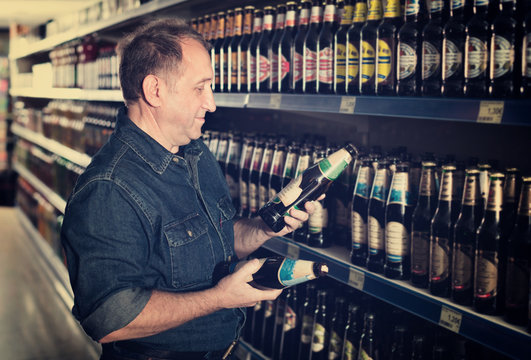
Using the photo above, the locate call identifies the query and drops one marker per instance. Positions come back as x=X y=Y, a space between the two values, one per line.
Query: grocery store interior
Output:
x=423 y=136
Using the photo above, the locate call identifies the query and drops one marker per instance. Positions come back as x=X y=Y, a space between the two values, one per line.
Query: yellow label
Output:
x=360 y=12
x=367 y=61
x=341 y=63
x=392 y=9
x=375 y=10
x=347 y=15
x=384 y=61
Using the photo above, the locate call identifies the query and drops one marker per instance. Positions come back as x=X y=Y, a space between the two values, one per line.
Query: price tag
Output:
x=348 y=103
x=490 y=112
x=356 y=279
x=292 y=251
x=450 y=319
x=275 y=100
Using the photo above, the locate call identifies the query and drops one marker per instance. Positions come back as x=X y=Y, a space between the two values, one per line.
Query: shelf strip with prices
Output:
x=491 y=331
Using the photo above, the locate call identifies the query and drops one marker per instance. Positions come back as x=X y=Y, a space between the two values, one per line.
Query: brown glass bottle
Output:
x=360 y=207
x=280 y=22
x=265 y=172
x=386 y=48
x=432 y=50
x=245 y=172
x=254 y=176
x=310 y=71
x=340 y=49
x=325 y=50
x=263 y=63
x=277 y=169
x=321 y=334
x=215 y=52
x=297 y=63
x=234 y=61
x=251 y=53
x=354 y=47
x=243 y=48
x=224 y=52
x=232 y=166
x=453 y=50
x=285 y=60
x=368 y=40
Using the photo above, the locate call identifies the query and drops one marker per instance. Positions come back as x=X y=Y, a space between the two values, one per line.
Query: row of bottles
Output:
x=477 y=48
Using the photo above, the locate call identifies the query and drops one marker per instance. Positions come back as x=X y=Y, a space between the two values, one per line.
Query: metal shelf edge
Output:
x=68 y=94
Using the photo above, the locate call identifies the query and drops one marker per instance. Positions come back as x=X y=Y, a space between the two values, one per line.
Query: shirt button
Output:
x=176 y=159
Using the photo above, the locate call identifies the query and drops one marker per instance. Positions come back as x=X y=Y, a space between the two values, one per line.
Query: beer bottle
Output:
x=233 y=161
x=279 y=324
x=290 y=166
x=342 y=198
x=245 y=172
x=519 y=261
x=465 y=240
x=254 y=176
x=399 y=350
x=303 y=162
x=200 y=23
x=398 y=214
x=386 y=48
x=263 y=64
x=320 y=328
x=325 y=51
x=253 y=48
x=309 y=308
x=275 y=47
x=409 y=62
x=340 y=49
x=354 y=47
x=268 y=327
x=291 y=331
x=487 y=281
x=368 y=48
x=194 y=23
x=432 y=50
x=511 y=189
x=216 y=51
x=441 y=236
x=243 y=49
x=318 y=235
x=308 y=186
x=234 y=61
x=485 y=170
x=278 y=161
x=309 y=77
x=206 y=27
x=221 y=154
x=213 y=144
x=368 y=348
x=453 y=48
x=525 y=53
x=224 y=52
x=213 y=28
x=360 y=206
x=256 y=318
x=476 y=51
x=352 y=336
x=337 y=329
x=502 y=46
x=376 y=218
x=297 y=64
x=419 y=348
x=285 y=62
x=265 y=172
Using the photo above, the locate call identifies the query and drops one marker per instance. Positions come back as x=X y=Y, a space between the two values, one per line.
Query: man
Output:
x=151 y=216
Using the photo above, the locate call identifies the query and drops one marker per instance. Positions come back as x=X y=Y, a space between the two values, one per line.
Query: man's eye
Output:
x=199 y=89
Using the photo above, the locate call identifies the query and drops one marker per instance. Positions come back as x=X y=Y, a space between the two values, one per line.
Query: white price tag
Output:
x=490 y=112
x=356 y=279
x=292 y=251
x=275 y=100
x=450 y=319
x=348 y=103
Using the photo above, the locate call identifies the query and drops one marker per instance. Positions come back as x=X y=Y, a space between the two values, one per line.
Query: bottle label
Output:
x=329 y=13
x=407 y=61
x=503 y=59
x=527 y=56
x=335 y=347
x=307 y=329
x=290 y=319
x=431 y=60
x=244 y=195
x=471 y=189
x=333 y=165
x=234 y=68
x=399 y=194
x=233 y=186
x=326 y=65
x=310 y=64
x=376 y=235
x=518 y=273
x=262 y=195
x=364 y=356
x=290 y=192
x=279 y=23
x=257 y=25
x=242 y=58
x=252 y=69
x=426 y=183
x=367 y=61
x=274 y=66
x=297 y=66
x=293 y=272
x=457 y=4
x=341 y=63
x=268 y=22
x=446 y=187
x=436 y=6
x=486 y=274
x=359 y=231
x=318 y=341
x=253 y=197
x=384 y=61
x=348 y=13
x=360 y=12
x=397 y=241
x=412 y=7
x=483 y=2
x=353 y=61
x=463 y=267
x=475 y=57
x=453 y=59
x=319 y=219
x=264 y=68
x=392 y=9
x=379 y=190
x=317 y=14
x=362 y=182
x=304 y=18
x=440 y=260
x=495 y=199
x=349 y=351
x=375 y=10
x=420 y=252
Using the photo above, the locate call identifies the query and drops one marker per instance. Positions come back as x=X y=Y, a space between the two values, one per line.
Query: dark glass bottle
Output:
x=325 y=50
x=502 y=47
x=477 y=51
x=290 y=166
x=352 y=331
x=453 y=49
x=303 y=162
x=263 y=64
x=280 y=309
x=234 y=61
x=368 y=40
x=354 y=47
x=398 y=214
x=221 y=154
x=525 y=53
x=285 y=61
x=313 y=182
x=376 y=218
x=432 y=50
x=291 y=330
x=278 y=161
x=419 y=349
x=360 y=207
x=320 y=335
x=386 y=48
x=519 y=261
x=309 y=77
x=368 y=347
x=256 y=316
x=487 y=265
x=441 y=236
x=243 y=50
x=265 y=172
x=254 y=176
x=251 y=53
x=318 y=235
x=280 y=22
x=409 y=63
x=245 y=172
x=215 y=52
x=224 y=52
x=309 y=307
x=297 y=64
x=341 y=201
x=511 y=191
x=337 y=329
x=268 y=327
x=340 y=49
x=465 y=240
x=399 y=348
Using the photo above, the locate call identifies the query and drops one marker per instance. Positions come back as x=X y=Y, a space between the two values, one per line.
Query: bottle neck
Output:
x=392 y=9
x=291 y=19
x=360 y=12
x=457 y=8
x=316 y=16
x=374 y=12
x=481 y=7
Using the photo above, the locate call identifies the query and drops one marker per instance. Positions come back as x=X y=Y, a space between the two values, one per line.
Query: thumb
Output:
x=248 y=268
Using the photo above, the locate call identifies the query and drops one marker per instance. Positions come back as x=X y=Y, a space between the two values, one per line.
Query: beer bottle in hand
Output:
x=313 y=182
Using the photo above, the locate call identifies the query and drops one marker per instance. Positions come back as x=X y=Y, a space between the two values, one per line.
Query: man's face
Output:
x=188 y=96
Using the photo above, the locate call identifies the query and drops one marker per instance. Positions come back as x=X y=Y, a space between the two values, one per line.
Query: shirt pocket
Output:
x=226 y=209
x=192 y=255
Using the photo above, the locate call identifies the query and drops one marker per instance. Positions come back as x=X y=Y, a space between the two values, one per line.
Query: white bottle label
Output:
x=407 y=61
x=396 y=241
x=502 y=57
x=453 y=59
x=475 y=57
x=431 y=59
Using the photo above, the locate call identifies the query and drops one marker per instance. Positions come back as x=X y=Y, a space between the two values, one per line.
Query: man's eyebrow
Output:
x=203 y=80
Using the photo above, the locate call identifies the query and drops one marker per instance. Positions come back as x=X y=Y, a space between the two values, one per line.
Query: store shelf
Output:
x=68 y=94
x=116 y=19
x=245 y=351
x=51 y=145
x=490 y=331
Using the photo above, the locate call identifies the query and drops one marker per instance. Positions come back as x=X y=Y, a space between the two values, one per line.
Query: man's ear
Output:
x=151 y=86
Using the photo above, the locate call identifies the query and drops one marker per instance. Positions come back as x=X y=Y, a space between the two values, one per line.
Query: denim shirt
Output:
x=142 y=218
